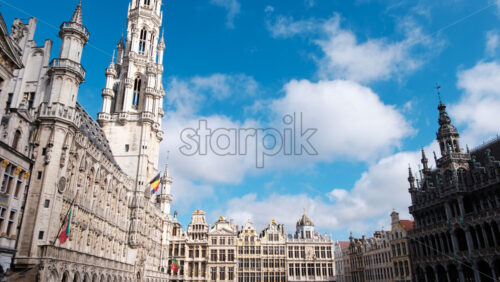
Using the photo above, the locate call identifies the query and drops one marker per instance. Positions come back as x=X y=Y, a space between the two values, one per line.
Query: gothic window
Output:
x=9 y=102
x=147 y=2
x=15 y=142
x=151 y=43
x=8 y=177
x=142 y=41
x=137 y=93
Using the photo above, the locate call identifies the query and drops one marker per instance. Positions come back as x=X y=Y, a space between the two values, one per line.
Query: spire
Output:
x=411 y=178
x=444 y=119
x=120 y=44
x=161 y=45
x=425 y=161
x=77 y=14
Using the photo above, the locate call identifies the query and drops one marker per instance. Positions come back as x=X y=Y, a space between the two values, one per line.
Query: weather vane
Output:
x=439 y=93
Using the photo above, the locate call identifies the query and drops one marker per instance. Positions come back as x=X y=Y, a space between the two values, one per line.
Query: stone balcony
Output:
x=76 y=28
x=68 y=65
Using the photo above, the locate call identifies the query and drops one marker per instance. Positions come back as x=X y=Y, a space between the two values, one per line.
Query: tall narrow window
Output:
x=8 y=176
x=30 y=99
x=10 y=225
x=147 y=2
x=151 y=44
x=9 y=102
x=137 y=93
x=142 y=41
x=15 y=141
x=1 y=84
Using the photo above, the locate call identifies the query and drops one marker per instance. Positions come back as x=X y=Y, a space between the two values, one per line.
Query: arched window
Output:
x=15 y=142
x=147 y=2
x=151 y=43
x=137 y=93
x=142 y=41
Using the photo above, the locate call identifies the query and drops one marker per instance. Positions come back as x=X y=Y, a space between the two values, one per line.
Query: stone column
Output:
x=468 y=237
x=461 y=276
x=493 y=235
x=485 y=239
x=454 y=242
x=447 y=210
x=461 y=206
x=493 y=272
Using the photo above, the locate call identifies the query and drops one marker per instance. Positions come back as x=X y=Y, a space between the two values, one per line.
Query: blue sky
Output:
x=362 y=72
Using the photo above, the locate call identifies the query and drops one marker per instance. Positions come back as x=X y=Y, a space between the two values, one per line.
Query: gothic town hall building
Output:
x=54 y=157
x=456 y=208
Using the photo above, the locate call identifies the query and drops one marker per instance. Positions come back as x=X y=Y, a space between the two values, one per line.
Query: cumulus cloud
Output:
x=350 y=119
x=478 y=107
x=492 y=41
x=345 y=57
x=233 y=8
x=362 y=209
x=195 y=176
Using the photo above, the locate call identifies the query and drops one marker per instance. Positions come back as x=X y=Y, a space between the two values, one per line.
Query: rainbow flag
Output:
x=155 y=183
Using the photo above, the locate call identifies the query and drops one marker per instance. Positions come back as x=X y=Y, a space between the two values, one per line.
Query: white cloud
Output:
x=232 y=7
x=286 y=27
x=361 y=209
x=347 y=58
x=478 y=107
x=351 y=120
x=492 y=41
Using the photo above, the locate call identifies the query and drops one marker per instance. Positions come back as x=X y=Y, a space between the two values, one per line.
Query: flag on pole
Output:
x=64 y=235
x=155 y=183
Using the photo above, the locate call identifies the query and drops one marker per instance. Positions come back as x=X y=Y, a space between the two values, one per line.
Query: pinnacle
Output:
x=77 y=14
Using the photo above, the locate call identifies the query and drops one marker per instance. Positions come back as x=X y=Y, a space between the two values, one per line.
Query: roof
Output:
x=93 y=131
x=305 y=221
x=7 y=45
x=198 y=212
x=344 y=244
x=406 y=224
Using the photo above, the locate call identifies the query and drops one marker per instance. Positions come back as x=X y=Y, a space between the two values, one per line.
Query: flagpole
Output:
x=65 y=217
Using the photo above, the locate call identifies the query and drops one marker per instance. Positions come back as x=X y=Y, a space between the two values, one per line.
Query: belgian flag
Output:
x=155 y=183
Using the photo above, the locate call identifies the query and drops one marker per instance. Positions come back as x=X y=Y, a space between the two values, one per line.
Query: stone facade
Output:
x=339 y=250
x=18 y=53
x=368 y=259
x=383 y=257
x=226 y=252
x=400 y=254
x=54 y=157
x=456 y=208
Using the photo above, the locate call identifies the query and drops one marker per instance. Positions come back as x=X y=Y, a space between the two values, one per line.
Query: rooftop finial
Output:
x=77 y=14
x=438 y=92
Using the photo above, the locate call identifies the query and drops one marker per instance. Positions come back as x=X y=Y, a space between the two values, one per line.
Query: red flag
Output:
x=64 y=235
x=175 y=266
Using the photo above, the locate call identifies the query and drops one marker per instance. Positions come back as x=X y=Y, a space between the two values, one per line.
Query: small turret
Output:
x=411 y=178
x=425 y=161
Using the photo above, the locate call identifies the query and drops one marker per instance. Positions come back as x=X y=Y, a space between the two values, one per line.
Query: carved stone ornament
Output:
x=61 y=184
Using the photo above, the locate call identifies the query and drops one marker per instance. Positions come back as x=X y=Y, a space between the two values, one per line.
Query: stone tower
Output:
x=59 y=120
x=132 y=107
x=452 y=155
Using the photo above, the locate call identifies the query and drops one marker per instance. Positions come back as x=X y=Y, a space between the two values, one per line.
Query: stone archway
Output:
x=429 y=273
x=441 y=273
x=65 y=277
x=485 y=271
x=453 y=273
